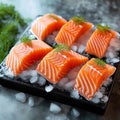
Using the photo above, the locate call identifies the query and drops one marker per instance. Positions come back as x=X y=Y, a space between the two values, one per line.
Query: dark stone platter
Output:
x=56 y=94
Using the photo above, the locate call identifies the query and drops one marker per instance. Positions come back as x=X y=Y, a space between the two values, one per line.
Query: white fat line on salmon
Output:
x=87 y=83
x=63 y=55
x=92 y=87
x=95 y=69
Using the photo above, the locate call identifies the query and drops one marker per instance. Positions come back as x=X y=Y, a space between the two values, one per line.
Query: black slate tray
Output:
x=58 y=95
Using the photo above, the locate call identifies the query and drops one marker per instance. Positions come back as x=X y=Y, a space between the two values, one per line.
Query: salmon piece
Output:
x=91 y=76
x=55 y=65
x=22 y=56
x=99 y=42
x=70 y=32
x=45 y=25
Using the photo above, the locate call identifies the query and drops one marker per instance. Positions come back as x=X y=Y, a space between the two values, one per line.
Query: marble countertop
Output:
x=95 y=11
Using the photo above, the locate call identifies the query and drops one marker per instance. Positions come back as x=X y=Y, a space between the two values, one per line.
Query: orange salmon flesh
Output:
x=22 y=56
x=90 y=78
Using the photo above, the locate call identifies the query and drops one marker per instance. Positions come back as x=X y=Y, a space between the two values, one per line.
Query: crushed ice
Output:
x=21 y=97
x=98 y=94
x=9 y=73
x=49 y=88
x=33 y=79
x=57 y=117
x=29 y=75
x=31 y=101
x=104 y=99
x=81 y=48
x=107 y=82
x=75 y=113
x=95 y=100
x=75 y=94
x=54 y=108
x=41 y=81
x=112 y=51
x=74 y=48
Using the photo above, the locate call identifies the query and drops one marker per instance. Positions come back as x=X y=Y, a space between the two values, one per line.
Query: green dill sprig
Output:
x=53 y=16
x=103 y=27
x=11 y=24
x=25 y=39
x=78 y=19
x=8 y=12
x=61 y=47
x=7 y=38
x=100 y=62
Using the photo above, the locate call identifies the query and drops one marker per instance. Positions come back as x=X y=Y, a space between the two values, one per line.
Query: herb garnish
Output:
x=78 y=19
x=61 y=47
x=103 y=27
x=25 y=39
x=100 y=62
x=11 y=24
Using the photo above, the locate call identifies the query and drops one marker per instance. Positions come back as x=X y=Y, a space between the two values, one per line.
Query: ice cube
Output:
x=107 y=82
x=102 y=89
x=31 y=102
x=74 y=48
x=108 y=60
x=21 y=97
x=41 y=80
x=115 y=44
x=54 y=108
x=9 y=73
x=56 y=117
x=95 y=100
x=75 y=113
x=98 y=94
x=49 y=88
x=81 y=48
x=33 y=79
x=74 y=94
x=25 y=75
x=104 y=99
x=111 y=55
x=32 y=37
x=115 y=60
x=33 y=73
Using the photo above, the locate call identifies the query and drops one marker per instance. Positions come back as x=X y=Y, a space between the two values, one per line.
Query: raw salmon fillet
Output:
x=22 y=56
x=91 y=76
x=45 y=25
x=70 y=32
x=99 y=42
x=55 y=65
